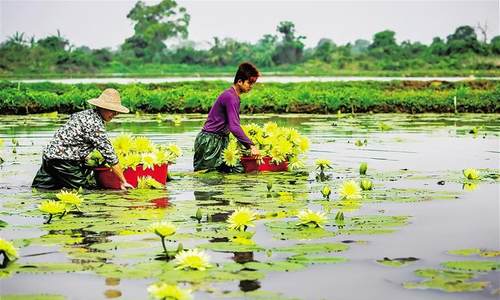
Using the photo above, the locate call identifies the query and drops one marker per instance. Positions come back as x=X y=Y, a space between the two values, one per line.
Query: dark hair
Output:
x=246 y=71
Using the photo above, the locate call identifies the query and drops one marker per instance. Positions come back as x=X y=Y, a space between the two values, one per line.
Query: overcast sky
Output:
x=103 y=23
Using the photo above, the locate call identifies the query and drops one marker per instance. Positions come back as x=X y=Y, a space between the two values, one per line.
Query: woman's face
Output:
x=107 y=114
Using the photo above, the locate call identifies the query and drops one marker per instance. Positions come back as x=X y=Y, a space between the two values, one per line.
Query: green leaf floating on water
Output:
x=288 y=230
x=444 y=274
x=475 y=251
x=33 y=297
x=256 y=295
x=447 y=285
x=279 y=266
x=313 y=248
x=230 y=247
x=473 y=265
x=3 y=224
x=316 y=259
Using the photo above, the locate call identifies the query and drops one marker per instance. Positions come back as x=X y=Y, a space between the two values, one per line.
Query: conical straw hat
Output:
x=109 y=99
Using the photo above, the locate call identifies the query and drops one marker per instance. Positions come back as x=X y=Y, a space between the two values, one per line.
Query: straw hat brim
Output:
x=115 y=107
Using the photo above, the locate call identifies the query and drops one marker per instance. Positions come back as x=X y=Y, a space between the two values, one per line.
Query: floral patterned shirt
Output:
x=83 y=133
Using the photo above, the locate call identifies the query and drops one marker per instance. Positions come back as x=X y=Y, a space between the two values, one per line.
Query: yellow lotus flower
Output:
x=174 y=149
x=148 y=161
x=470 y=173
x=286 y=197
x=163 y=291
x=366 y=184
x=284 y=146
x=277 y=155
x=241 y=218
x=123 y=143
x=8 y=249
x=469 y=186
x=231 y=154
x=326 y=191
x=350 y=190
x=163 y=229
x=311 y=218
x=132 y=160
x=270 y=127
x=52 y=207
x=177 y=120
x=69 y=198
x=322 y=164
x=243 y=241
x=295 y=163
x=142 y=144
x=252 y=130
x=148 y=182
x=303 y=144
x=193 y=259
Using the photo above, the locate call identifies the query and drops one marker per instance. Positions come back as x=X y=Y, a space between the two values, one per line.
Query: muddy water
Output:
x=406 y=162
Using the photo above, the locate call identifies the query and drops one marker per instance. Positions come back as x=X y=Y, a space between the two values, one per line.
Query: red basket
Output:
x=107 y=179
x=251 y=165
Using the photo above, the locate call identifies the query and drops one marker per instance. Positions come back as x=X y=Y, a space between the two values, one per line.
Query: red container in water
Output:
x=107 y=179
x=251 y=165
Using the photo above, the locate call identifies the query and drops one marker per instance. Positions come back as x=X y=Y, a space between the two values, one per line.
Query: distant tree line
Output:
x=154 y=25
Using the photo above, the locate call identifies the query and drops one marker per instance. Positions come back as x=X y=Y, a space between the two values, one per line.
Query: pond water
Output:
x=421 y=208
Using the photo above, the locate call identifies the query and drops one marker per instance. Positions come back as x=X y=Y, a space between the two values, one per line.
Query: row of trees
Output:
x=154 y=25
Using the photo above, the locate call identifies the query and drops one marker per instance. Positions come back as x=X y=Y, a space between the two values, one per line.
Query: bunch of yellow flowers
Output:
x=279 y=143
x=134 y=151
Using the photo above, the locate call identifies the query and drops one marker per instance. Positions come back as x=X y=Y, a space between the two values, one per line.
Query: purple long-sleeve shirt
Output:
x=224 y=117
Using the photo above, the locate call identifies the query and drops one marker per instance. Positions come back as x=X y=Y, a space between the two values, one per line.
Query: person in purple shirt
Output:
x=224 y=118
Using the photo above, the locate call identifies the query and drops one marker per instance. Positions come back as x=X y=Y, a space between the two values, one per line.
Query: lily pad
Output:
x=315 y=259
x=230 y=247
x=313 y=248
x=475 y=251
x=473 y=265
x=281 y=266
x=447 y=285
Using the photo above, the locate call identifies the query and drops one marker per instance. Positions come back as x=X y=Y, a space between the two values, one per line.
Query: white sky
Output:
x=100 y=24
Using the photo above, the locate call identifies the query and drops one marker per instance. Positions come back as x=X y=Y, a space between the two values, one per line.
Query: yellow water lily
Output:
x=311 y=218
x=322 y=164
x=270 y=127
x=470 y=173
x=286 y=197
x=295 y=163
x=52 y=207
x=243 y=241
x=163 y=291
x=350 y=190
x=9 y=251
x=303 y=144
x=231 y=154
x=176 y=150
x=192 y=259
x=241 y=218
x=142 y=144
x=69 y=197
x=163 y=229
x=148 y=182
x=326 y=192
x=122 y=143
x=148 y=161
x=366 y=184
x=131 y=160
x=469 y=186
x=177 y=120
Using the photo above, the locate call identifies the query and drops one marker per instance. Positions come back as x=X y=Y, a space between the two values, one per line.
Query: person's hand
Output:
x=125 y=185
x=254 y=151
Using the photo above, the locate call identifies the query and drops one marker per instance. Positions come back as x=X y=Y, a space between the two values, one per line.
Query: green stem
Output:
x=50 y=219
x=164 y=247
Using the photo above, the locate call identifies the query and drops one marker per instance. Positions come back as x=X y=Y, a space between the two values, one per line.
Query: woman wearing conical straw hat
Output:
x=63 y=160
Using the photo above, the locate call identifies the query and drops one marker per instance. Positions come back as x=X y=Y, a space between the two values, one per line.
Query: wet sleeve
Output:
x=101 y=142
x=233 y=118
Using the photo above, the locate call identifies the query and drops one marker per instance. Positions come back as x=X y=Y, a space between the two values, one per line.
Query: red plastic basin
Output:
x=252 y=165
x=107 y=179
